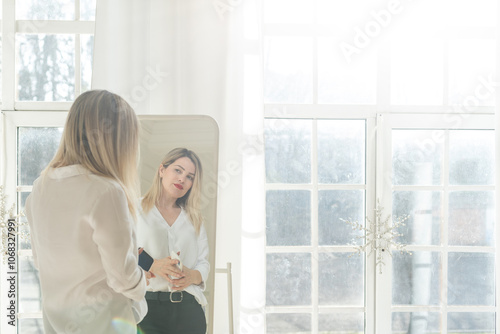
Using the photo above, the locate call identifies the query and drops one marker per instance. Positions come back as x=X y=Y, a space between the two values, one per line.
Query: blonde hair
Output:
x=191 y=200
x=102 y=134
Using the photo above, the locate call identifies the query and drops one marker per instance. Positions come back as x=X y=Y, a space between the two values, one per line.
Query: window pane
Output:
x=478 y=13
x=341 y=151
x=345 y=79
x=472 y=157
x=288 y=70
x=472 y=218
x=45 y=9
x=472 y=66
x=341 y=279
x=37 y=147
x=31 y=326
x=352 y=323
x=297 y=11
x=471 y=279
x=469 y=322
x=30 y=298
x=288 y=150
x=416 y=322
x=87 y=10
x=288 y=217
x=417 y=85
x=46 y=67
x=288 y=323
x=417 y=157
x=416 y=278
x=423 y=227
x=288 y=279
x=335 y=205
x=87 y=49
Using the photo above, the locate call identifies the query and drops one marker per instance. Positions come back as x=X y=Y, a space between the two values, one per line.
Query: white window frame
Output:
x=12 y=120
x=386 y=122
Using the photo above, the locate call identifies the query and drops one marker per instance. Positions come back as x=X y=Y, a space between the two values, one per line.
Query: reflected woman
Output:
x=170 y=226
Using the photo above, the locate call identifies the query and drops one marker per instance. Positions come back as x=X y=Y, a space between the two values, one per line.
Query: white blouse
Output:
x=84 y=246
x=159 y=239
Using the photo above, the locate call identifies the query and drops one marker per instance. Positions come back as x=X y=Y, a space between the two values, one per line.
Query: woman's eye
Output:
x=190 y=178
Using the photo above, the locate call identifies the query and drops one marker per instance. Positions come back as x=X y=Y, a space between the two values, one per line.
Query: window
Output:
x=365 y=103
x=46 y=64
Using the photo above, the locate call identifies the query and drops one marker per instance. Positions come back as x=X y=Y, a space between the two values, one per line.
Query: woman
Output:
x=81 y=216
x=171 y=226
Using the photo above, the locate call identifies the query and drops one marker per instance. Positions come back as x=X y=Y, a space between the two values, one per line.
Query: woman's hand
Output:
x=190 y=277
x=165 y=267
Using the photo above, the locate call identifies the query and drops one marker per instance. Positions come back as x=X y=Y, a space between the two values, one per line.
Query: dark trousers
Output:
x=165 y=317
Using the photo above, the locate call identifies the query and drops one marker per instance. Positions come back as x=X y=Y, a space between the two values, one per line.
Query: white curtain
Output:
x=187 y=57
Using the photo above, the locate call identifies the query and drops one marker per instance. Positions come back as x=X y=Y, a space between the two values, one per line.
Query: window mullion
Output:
x=314 y=229
x=8 y=54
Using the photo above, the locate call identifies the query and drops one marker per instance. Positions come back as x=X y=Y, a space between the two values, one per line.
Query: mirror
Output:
x=162 y=133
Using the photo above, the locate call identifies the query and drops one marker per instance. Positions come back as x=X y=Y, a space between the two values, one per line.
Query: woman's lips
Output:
x=178 y=186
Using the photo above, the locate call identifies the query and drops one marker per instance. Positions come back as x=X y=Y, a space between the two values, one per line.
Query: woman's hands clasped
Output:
x=166 y=267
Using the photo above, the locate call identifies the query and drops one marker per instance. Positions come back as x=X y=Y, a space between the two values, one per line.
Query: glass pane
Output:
x=472 y=157
x=417 y=157
x=472 y=65
x=45 y=9
x=288 y=70
x=341 y=151
x=297 y=11
x=87 y=49
x=469 y=13
x=30 y=298
x=37 y=147
x=417 y=85
x=288 y=279
x=352 y=323
x=335 y=205
x=31 y=326
x=416 y=322
x=288 y=217
x=416 y=278
x=341 y=279
x=345 y=78
x=471 y=279
x=288 y=323
x=87 y=10
x=46 y=67
x=288 y=150
x=346 y=15
x=423 y=227
x=473 y=323
x=472 y=218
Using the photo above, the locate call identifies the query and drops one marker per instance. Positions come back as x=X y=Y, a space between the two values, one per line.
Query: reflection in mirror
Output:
x=161 y=134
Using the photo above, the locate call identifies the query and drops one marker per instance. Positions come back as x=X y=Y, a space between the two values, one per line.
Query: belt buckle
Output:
x=175 y=300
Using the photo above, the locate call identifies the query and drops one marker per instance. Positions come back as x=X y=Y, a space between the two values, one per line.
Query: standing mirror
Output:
x=162 y=133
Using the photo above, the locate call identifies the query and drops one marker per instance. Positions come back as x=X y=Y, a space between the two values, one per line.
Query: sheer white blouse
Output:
x=84 y=246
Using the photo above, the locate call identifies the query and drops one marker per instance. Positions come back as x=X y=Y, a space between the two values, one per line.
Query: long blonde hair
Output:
x=102 y=134
x=191 y=200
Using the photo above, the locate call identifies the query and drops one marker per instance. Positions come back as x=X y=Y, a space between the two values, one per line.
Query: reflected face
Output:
x=178 y=177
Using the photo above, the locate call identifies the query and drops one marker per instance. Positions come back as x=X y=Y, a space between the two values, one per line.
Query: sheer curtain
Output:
x=187 y=57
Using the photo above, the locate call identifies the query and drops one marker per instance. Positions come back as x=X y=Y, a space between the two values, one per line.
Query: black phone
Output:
x=145 y=260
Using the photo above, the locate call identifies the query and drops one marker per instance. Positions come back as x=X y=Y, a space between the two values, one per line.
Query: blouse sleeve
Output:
x=114 y=235
x=202 y=264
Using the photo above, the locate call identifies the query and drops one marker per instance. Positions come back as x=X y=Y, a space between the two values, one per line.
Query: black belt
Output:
x=173 y=297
